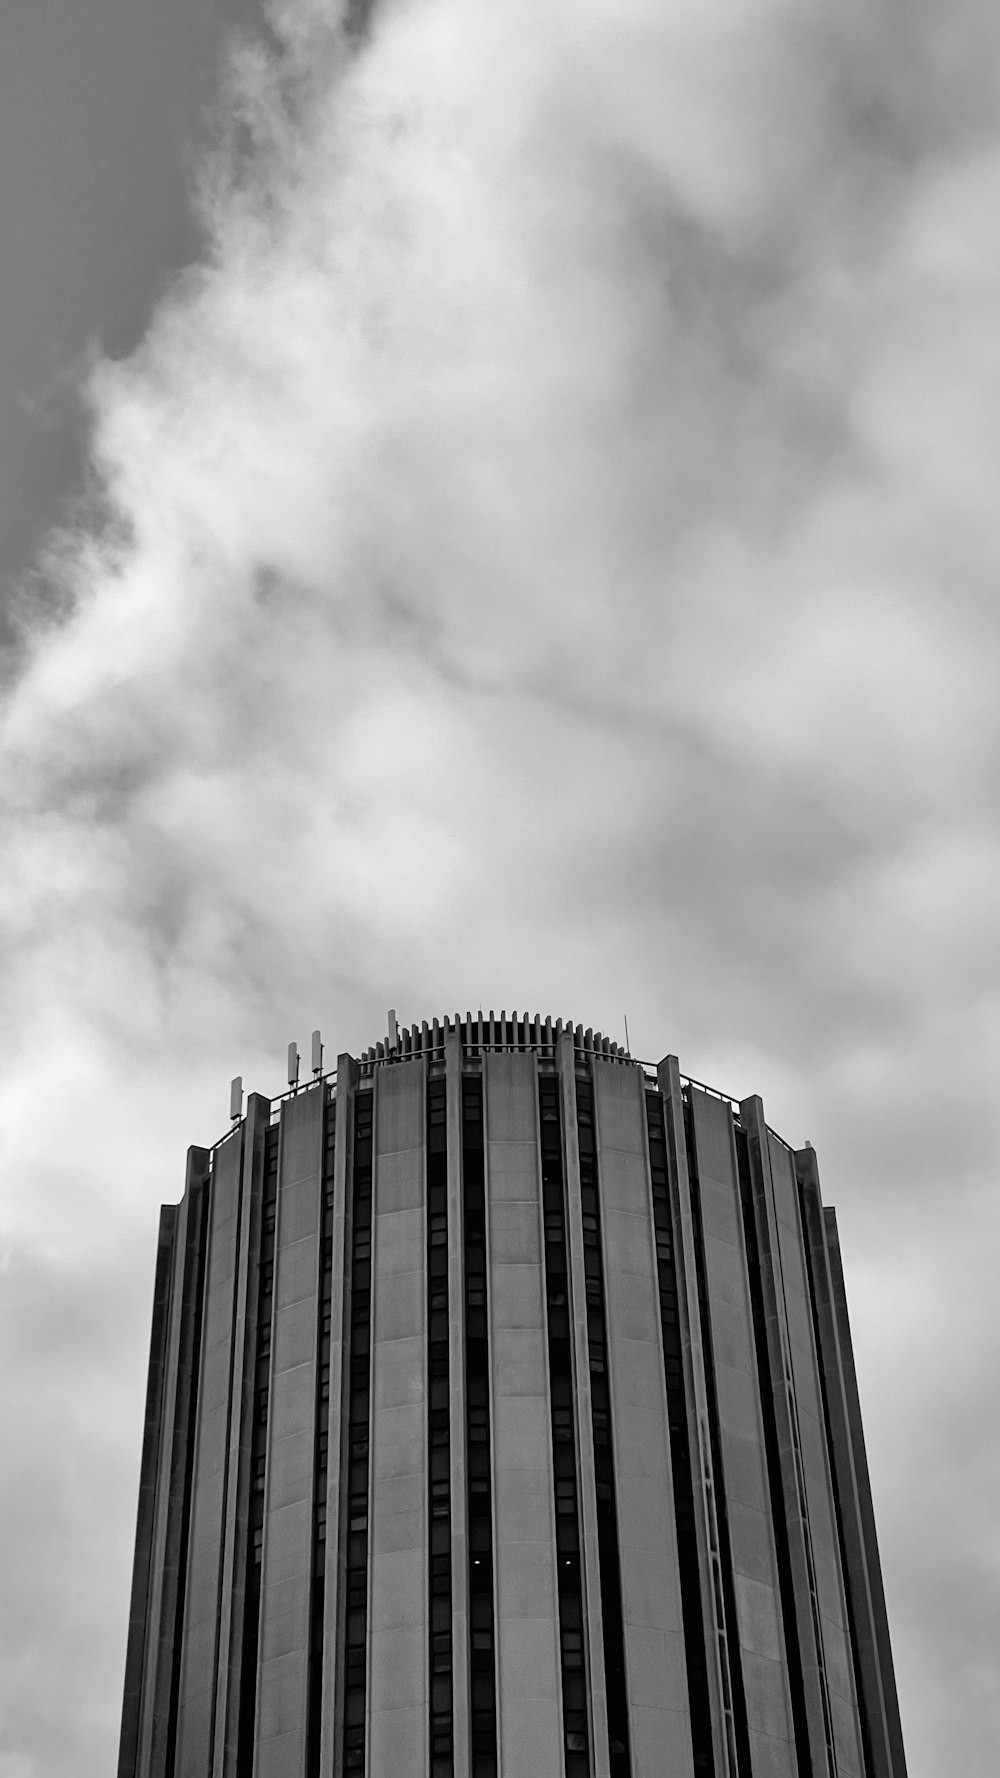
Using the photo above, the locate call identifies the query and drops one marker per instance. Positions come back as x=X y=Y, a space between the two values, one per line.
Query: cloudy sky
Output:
x=509 y=519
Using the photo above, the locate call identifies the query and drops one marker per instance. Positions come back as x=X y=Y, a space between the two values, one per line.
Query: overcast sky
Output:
x=508 y=520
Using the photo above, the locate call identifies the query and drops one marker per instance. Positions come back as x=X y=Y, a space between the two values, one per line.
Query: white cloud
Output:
x=549 y=554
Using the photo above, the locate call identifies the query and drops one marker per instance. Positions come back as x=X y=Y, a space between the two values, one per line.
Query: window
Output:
x=607 y=1517
x=680 y=1464
x=561 y=1398
x=355 y=1652
x=477 y=1431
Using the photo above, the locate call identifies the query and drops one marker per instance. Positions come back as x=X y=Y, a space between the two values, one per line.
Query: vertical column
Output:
x=889 y=1762
x=457 y=1409
x=199 y=1654
x=590 y=1555
x=741 y=1440
x=286 y=1561
x=232 y=1597
x=821 y=1510
x=158 y=1721
x=706 y=1528
x=334 y=1580
x=398 y=1637
x=141 y=1649
x=651 y=1599
x=530 y=1707
x=803 y=1593
x=863 y=1633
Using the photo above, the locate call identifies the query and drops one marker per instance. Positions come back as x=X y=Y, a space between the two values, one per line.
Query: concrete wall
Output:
x=655 y=1661
x=529 y=1706
x=168 y=1578
x=829 y=1580
x=888 y=1756
x=286 y=1566
x=141 y=1647
x=871 y=1702
x=744 y=1481
x=398 y=1728
x=196 y=1701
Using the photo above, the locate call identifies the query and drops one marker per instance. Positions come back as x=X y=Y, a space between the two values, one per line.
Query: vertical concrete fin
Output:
x=892 y=1757
x=655 y=1660
x=460 y=1648
x=757 y=1638
x=232 y=1600
x=398 y=1647
x=806 y=1629
x=529 y=1701
x=590 y=1560
x=158 y=1717
x=199 y=1653
x=141 y=1650
x=286 y=1556
x=695 y=1394
x=863 y=1635
x=810 y=1427
x=334 y=1593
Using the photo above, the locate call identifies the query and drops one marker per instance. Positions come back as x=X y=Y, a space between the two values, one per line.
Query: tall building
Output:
x=502 y=1422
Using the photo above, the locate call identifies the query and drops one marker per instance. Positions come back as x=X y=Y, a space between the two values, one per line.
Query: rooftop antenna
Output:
x=393 y=1043
x=293 y=1065
x=628 y=1047
x=236 y=1098
x=317 y=1053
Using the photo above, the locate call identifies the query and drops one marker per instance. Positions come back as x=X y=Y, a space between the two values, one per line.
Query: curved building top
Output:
x=477 y=1034
x=489 y=1031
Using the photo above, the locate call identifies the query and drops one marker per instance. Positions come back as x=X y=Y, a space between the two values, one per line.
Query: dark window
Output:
x=358 y=1441
x=258 y=1456
x=607 y=1516
x=480 y=1539
x=439 y=1433
x=734 y=1698
x=680 y=1454
x=317 y=1595
x=577 y=1758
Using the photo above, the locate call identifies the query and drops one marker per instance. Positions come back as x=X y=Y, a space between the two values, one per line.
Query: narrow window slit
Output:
x=258 y=1456
x=480 y=1500
x=359 y=1395
x=680 y=1453
x=576 y=1715
x=439 y=1436
x=607 y=1516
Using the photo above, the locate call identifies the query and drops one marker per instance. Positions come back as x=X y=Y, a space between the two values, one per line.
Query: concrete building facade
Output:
x=502 y=1422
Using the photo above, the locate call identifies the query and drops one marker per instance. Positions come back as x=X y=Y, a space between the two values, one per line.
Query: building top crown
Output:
x=489 y=1031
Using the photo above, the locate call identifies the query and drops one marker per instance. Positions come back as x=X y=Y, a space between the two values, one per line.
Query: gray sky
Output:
x=542 y=553
x=103 y=104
